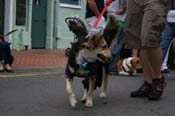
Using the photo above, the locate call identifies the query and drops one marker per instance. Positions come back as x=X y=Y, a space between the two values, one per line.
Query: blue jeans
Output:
x=116 y=50
x=167 y=37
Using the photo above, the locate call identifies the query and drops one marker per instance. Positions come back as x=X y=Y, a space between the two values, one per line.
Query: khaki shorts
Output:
x=144 y=23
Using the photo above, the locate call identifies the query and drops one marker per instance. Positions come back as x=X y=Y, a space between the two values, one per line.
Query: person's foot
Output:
x=2 y=70
x=165 y=71
x=157 y=89
x=7 y=68
x=143 y=91
x=1 y=67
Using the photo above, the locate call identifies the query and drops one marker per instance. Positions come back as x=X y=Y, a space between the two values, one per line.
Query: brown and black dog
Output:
x=128 y=66
x=90 y=59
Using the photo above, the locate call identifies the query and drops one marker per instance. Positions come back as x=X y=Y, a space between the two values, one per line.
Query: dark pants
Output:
x=5 y=53
x=171 y=57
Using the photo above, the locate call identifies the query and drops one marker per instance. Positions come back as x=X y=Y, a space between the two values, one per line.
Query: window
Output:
x=72 y=2
x=20 y=12
x=36 y=2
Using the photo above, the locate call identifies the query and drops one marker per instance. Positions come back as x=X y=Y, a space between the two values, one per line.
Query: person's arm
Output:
x=93 y=7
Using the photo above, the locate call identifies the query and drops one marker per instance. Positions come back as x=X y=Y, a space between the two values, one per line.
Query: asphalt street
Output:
x=43 y=94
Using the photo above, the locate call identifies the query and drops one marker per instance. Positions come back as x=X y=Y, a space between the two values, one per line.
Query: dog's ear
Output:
x=136 y=63
x=111 y=30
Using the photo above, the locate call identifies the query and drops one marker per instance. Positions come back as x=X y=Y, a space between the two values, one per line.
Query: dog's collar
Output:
x=71 y=74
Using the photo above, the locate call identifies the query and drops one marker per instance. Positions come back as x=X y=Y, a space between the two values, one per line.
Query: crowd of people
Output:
x=147 y=33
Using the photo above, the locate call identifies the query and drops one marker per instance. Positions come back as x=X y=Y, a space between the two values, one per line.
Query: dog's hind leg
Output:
x=103 y=93
x=83 y=99
x=71 y=96
x=89 y=97
x=85 y=84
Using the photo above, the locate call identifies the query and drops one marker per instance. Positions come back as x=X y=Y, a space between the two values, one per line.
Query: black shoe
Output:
x=9 y=70
x=157 y=89
x=143 y=91
x=2 y=70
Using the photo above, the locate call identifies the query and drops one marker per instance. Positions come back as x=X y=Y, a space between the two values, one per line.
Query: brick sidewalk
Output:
x=39 y=58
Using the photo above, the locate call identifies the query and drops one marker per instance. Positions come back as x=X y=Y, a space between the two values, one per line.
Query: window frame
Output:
x=25 y=18
x=67 y=5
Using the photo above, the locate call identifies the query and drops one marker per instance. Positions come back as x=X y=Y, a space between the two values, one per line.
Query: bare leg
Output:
x=146 y=65
x=155 y=57
x=1 y=66
x=151 y=59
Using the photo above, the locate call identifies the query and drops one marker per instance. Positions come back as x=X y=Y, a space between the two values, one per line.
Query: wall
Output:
x=63 y=36
x=57 y=35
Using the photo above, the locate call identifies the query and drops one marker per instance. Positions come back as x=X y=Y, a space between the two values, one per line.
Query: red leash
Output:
x=102 y=13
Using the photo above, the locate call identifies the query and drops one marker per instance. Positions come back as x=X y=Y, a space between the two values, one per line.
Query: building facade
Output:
x=40 y=24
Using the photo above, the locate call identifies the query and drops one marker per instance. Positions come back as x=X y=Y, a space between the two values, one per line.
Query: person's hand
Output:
x=120 y=12
x=109 y=2
x=102 y=22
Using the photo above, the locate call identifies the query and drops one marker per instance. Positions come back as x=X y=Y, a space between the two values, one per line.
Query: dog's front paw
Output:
x=73 y=101
x=103 y=95
x=89 y=103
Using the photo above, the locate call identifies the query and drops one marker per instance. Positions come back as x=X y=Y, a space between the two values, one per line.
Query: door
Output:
x=39 y=14
x=2 y=16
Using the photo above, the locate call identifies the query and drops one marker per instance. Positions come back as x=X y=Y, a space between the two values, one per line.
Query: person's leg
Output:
x=170 y=61
x=7 y=56
x=151 y=54
x=145 y=88
x=152 y=27
x=1 y=57
x=155 y=55
x=116 y=51
x=164 y=67
x=1 y=67
x=167 y=36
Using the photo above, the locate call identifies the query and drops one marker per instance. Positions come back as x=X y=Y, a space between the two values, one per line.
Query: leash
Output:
x=102 y=13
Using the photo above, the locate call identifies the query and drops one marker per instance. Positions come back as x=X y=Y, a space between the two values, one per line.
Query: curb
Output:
x=26 y=72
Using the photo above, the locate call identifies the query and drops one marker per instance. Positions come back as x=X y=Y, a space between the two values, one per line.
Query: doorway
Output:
x=39 y=16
